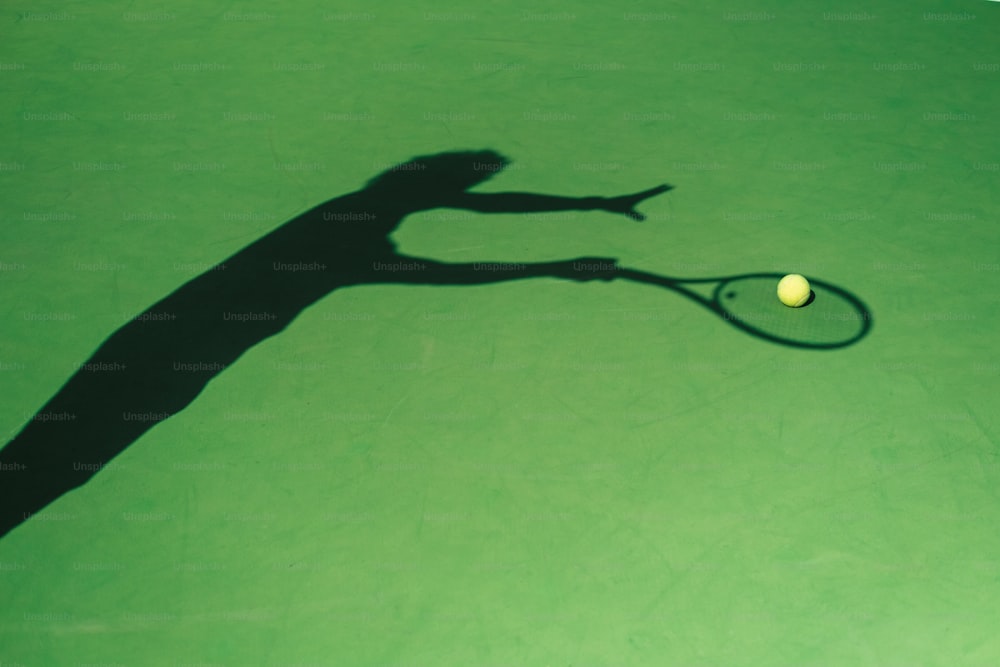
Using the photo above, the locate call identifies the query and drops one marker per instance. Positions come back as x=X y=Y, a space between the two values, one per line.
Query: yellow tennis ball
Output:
x=793 y=290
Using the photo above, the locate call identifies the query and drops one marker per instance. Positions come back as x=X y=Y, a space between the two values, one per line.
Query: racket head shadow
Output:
x=832 y=318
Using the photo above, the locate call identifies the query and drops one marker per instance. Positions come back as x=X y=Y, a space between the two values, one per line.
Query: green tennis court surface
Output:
x=331 y=336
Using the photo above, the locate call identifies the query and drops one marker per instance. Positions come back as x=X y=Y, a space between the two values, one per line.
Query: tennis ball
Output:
x=793 y=290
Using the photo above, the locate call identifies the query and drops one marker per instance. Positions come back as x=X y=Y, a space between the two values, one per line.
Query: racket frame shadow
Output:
x=714 y=304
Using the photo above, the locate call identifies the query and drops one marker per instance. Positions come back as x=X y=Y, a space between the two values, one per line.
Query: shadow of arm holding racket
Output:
x=160 y=360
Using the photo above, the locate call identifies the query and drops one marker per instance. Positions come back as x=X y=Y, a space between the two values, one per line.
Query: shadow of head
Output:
x=432 y=179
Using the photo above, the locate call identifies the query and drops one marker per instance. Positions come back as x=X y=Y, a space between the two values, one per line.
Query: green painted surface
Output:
x=539 y=472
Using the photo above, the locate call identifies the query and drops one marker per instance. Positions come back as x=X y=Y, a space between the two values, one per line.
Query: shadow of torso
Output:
x=158 y=362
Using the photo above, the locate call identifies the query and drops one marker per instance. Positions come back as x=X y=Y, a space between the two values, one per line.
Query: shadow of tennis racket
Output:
x=834 y=318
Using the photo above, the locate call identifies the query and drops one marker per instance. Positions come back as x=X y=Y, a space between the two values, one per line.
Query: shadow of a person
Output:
x=158 y=362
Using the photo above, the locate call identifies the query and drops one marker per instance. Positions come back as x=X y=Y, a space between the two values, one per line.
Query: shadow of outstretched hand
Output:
x=625 y=204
